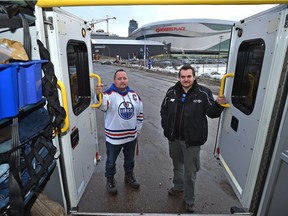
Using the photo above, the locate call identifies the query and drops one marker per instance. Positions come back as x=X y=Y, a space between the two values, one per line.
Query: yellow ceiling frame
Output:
x=62 y=3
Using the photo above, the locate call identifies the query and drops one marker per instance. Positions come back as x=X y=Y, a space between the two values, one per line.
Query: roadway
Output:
x=153 y=166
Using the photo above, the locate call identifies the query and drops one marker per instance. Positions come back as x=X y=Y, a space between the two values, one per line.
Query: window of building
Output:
x=78 y=66
x=247 y=74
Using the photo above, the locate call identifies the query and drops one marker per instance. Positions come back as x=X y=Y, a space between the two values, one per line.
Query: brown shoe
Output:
x=130 y=179
x=190 y=208
x=173 y=192
x=111 y=185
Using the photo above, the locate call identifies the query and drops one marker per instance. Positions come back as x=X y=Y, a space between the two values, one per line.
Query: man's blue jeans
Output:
x=113 y=151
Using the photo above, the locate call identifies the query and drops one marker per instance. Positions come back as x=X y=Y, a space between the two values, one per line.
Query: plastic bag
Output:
x=5 y=53
x=10 y=49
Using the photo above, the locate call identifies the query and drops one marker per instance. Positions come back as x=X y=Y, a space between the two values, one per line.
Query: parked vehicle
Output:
x=106 y=63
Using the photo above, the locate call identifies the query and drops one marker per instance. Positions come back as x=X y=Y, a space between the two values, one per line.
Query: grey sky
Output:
x=145 y=14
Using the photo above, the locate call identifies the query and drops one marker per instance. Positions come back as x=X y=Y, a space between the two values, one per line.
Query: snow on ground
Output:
x=208 y=70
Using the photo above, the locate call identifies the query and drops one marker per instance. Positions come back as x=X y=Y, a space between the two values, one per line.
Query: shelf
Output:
x=27 y=109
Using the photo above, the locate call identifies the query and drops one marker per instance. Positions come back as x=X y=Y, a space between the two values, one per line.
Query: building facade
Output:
x=133 y=25
x=126 y=49
x=188 y=35
x=185 y=36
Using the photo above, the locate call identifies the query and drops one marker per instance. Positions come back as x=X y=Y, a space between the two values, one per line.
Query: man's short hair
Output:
x=118 y=71
x=187 y=67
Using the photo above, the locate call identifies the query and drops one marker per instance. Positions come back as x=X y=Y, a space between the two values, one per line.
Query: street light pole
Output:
x=144 y=51
x=108 y=51
x=220 y=37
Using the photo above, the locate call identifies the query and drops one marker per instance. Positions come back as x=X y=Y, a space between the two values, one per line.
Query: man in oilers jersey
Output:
x=123 y=114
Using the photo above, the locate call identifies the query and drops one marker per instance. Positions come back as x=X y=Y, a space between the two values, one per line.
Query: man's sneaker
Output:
x=190 y=208
x=173 y=192
x=130 y=179
x=111 y=185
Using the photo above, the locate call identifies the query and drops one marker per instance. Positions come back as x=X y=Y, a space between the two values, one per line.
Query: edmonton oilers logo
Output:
x=126 y=110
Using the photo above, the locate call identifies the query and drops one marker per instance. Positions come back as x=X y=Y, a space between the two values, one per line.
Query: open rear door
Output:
x=70 y=48
x=256 y=58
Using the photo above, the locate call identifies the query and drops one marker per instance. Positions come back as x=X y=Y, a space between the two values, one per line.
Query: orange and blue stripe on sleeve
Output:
x=140 y=117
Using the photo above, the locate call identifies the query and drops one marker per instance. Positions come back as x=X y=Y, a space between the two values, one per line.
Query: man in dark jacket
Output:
x=183 y=118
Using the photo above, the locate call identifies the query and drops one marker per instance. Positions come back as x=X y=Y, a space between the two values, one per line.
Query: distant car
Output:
x=106 y=63
x=133 y=61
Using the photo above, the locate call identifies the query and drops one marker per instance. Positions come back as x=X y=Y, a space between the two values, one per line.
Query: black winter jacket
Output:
x=198 y=104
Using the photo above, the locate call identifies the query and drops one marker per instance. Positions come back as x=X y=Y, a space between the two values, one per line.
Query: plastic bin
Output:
x=20 y=85
x=9 y=104
x=29 y=82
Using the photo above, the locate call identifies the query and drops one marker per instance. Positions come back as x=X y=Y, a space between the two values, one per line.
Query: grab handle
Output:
x=96 y=105
x=65 y=105
x=221 y=92
x=251 y=86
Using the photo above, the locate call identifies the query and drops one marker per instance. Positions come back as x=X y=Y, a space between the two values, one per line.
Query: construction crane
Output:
x=93 y=22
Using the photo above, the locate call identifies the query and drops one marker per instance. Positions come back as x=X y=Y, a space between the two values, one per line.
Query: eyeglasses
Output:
x=183 y=97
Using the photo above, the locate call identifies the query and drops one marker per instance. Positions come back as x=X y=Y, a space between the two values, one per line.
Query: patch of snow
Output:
x=212 y=71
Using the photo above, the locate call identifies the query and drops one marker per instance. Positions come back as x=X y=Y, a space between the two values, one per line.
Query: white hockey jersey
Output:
x=123 y=115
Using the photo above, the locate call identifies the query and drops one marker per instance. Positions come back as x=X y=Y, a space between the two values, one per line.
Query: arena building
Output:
x=188 y=36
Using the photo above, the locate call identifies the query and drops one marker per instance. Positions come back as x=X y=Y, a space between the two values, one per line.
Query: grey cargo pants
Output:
x=186 y=164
